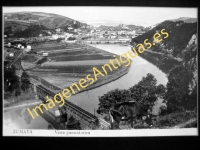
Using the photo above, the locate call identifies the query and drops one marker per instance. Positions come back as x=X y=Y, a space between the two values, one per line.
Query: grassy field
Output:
x=30 y=58
x=53 y=46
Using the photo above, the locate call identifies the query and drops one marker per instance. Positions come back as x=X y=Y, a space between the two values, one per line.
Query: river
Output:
x=139 y=68
x=89 y=100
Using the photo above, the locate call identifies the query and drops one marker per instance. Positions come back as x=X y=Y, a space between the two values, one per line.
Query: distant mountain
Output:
x=121 y=27
x=22 y=20
x=186 y=19
x=135 y=27
x=102 y=27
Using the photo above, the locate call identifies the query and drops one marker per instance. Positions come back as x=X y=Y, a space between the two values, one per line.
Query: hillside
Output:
x=180 y=34
x=177 y=56
x=22 y=20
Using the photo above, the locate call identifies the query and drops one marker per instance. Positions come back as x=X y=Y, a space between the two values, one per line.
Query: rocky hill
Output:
x=180 y=32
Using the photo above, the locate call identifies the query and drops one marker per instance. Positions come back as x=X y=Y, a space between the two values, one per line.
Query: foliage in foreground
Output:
x=181 y=92
x=175 y=119
x=12 y=83
x=146 y=91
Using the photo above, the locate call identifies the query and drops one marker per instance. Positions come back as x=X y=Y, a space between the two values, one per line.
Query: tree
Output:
x=177 y=95
x=31 y=31
x=145 y=91
x=8 y=30
x=11 y=80
x=25 y=81
x=160 y=90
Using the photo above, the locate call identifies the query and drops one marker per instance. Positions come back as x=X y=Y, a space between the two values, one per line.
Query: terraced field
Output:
x=69 y=63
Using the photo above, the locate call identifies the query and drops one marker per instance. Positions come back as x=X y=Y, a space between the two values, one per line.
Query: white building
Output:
x=49 y=32
x=61 y=36
x=45 y=54
x=54 y=36
x=113 y=37
x=70 y=28
x=131 y=32
x=71 y=41
x=27 y=50
x=19 y=45
x=58 y=30
x=9 y=44
x=11 y=54
x=67 y=35
x=28 y=47
x=92 y=31
x=101 y=36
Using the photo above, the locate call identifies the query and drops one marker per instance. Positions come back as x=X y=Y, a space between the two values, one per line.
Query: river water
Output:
x=89 y=100
x=139 y=68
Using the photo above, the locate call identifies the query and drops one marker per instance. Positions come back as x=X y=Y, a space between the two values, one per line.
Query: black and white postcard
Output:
x=99 y=71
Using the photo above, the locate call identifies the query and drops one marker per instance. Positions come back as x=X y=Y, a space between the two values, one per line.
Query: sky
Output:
x=96 y=16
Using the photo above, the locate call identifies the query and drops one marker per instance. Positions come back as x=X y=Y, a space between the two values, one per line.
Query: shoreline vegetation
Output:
x=164 y=62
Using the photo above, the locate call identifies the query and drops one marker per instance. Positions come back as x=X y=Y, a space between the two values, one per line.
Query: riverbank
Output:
x=162 y=61
x=110 y=78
